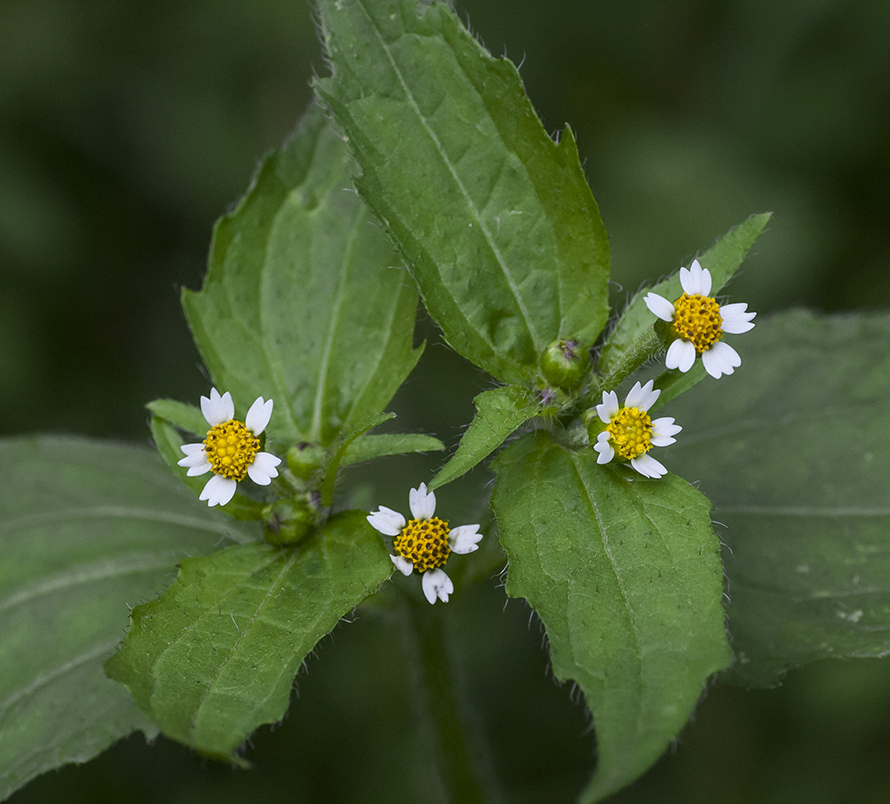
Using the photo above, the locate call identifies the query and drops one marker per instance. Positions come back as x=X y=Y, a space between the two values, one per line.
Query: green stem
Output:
x=458 y=762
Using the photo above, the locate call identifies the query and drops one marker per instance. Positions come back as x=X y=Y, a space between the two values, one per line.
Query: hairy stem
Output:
x=458 y=759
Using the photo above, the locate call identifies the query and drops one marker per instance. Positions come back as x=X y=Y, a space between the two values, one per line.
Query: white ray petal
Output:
x=721 y=359
x=402 y=564
x=660 y=306
x=219 y=490
x=642 y=397
x=680 y=355
x=608 y=408
x=436 y=584
x=422 y=502
x=648 y=467
x=386 y=521
x=464 y=539
x=258 y=416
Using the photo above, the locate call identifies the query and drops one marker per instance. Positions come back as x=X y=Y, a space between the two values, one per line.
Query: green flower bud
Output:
x=565 y=363
x=304 y=460
x=286 y=522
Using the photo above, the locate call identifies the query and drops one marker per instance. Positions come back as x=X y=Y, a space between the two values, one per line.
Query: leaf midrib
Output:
x=499 y=259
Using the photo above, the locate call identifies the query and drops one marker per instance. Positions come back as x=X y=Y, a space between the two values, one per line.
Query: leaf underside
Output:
x=87 y=529
x=794 y=450
x=303 y=302
x=495 y=220
x=625 y=574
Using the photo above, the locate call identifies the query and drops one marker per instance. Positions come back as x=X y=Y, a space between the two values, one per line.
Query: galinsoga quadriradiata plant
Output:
x=422 y=173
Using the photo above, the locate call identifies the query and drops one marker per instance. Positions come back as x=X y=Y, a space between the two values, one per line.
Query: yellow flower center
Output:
x=424 y=542
x=631 y=432
x=231 y=448
x=697 y=319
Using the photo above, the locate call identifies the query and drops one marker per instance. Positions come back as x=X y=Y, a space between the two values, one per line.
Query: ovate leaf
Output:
x=498 y=413
x=87 y=530
x=632 y=342
x=794 y=450
x=494 y=218
x=302 y=302
x=215 y=656
x=625 y=574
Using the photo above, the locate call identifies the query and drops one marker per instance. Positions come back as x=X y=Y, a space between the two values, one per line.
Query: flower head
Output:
x=698 y=324
x=630 y=433
x=232 y=449
x=425 y=542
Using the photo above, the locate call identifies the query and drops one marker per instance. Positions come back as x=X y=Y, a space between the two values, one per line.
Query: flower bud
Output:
x=286 y=522
x=564 y=363
x=305 y=459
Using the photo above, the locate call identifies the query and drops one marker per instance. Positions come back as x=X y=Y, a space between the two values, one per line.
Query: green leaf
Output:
x=625 y=574
x=498 y=413
x=301 y=302
x=368 y=447
x=179 y=414
x=86 y=530
x=215 y=656
x=632 y=342
x=495 y=219
x=168 y=441
x=794 y=450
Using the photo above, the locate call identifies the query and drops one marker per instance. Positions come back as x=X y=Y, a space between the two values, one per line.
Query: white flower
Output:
x=699 y=323
x=232 y=449
x=425 y=542
x=630 y=433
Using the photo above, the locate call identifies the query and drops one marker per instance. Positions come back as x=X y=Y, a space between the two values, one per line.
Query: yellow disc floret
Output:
x=231 y=448
x=697 y=319
x=631 y=432
x=424 y=542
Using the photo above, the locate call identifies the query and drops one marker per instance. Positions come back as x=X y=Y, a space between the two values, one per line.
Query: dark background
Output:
x=127 y=128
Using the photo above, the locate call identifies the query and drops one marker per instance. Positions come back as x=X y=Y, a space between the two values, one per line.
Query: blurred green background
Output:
x=127 y=128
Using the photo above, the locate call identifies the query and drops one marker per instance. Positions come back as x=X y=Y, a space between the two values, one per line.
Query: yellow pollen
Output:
x=697 y=319
x=231 y=448
x=631 y=432
x=424 y=542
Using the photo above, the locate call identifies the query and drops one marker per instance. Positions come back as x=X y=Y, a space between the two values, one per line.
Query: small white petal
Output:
x=217 y=409
x=680 y=355
x=642 y=397
x=721 y=359
x=604 y=448
x=219 y=490
x=436 y=584
x=648 y=467
x=258 y=416
x=386 y=521
x=402 y=564
x=736 y=318
x=660 y=306
x=199 y=469
x=696 y=279
x=464 y=539
x=422 y=502
x=262 y=470
x=191 y=449
x=196 y=459
x=609 y=407
x=664 y=428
